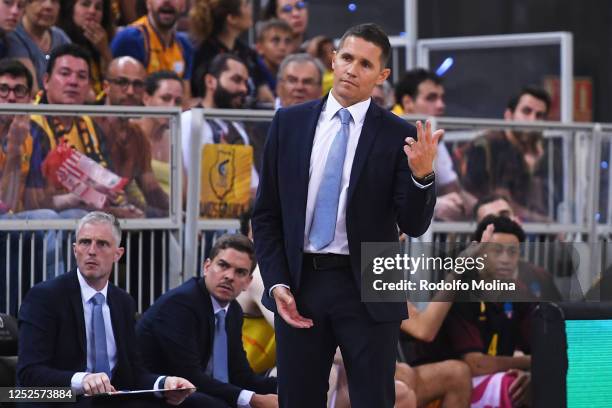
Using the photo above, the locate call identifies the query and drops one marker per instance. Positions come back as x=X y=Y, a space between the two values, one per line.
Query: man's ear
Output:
x=383 y=75
x=45 y=81
x=119 y=253
x=210 y=82
x=407 y=104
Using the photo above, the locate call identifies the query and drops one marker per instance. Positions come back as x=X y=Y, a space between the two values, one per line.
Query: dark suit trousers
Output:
x=304 y=356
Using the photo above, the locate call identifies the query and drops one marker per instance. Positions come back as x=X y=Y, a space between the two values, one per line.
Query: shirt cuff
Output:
x=273 y=286
x=157 y=386
x=419 y=185
x=76 y=383
x=244 y=399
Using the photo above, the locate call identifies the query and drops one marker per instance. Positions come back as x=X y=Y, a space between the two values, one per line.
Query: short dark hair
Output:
x=68 y=49
x=153 y=80
x=262 y=27
x=502 y=224
x=370 y=32
x=487 y=200
x=218 y=65
x=15 y=68
x=234 y=241
x=535 y=91
x=410 y=81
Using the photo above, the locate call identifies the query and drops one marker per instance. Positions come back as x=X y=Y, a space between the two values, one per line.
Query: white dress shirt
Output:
x=244 y=398
x=87 y=293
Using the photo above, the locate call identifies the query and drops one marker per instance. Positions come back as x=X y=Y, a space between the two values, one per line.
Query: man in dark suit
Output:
x=77 y=330
x=182 y=333
x=336 y=173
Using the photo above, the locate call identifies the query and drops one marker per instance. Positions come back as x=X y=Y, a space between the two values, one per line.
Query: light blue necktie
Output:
x=220 y=349
x=326 y=207
x=101 y=363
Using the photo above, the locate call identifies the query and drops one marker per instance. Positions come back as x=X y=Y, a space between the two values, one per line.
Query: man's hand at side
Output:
x=287 y=309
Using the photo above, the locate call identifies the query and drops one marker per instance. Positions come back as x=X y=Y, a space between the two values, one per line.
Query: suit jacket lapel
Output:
x=367 y=137
x=209 y=314
x=79 y=314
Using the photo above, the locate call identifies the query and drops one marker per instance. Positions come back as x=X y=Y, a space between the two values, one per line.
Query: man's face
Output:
x=69 y=81
x=165 y=12
x=42 y=13
x=14 y=89
x=96 y=251
x=429 y=100
x=169 y=93
x=125 y=84
x=300 y=82
x=275 y=46
x=528 y=109
x=10 y=14
x=357 y=69
x=230 y=89
x=228 y=274
x=498 y=208
x=502 y=256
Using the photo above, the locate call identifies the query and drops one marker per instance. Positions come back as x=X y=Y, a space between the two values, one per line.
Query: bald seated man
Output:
x=124 y=83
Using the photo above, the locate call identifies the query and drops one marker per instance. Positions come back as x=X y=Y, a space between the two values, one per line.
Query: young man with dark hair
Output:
x=226 y=87
x=421 y=92
x=338 y=172
x=513 y=162
x=195 y=331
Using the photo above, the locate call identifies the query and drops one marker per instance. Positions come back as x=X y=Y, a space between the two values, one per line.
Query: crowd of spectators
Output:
x=112 y=53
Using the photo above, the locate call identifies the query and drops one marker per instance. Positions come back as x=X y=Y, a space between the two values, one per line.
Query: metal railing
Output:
x=162 y=253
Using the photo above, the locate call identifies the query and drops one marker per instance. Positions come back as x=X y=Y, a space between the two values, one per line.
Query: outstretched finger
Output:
x=437 y=136
x=419 y=129
x=427 y=132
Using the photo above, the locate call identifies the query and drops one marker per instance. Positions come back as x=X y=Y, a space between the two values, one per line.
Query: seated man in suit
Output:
x=195 y=331
x=77 y=330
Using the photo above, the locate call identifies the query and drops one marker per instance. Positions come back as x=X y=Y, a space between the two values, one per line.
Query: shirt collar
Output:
x=217 y=306
x=358 y=111
x=87 y=292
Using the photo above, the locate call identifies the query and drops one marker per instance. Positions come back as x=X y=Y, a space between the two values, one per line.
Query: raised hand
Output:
x=285 y=305
x=422 y=152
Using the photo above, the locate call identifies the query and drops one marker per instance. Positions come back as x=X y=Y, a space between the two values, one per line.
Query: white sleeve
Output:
x=445 y=173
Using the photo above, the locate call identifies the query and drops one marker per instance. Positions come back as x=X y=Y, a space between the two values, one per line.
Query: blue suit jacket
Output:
x=52 y=337
x=381 y=196
x=176 y=336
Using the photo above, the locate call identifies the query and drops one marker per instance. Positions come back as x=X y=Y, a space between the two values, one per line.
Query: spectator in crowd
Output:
x=294 y=12
x=226 y=86
x=10 y=15
x=36 y=36
x=125 y=12
x=129 y=147
x=195 y=331
x=421 y=92
x=89 y=23
x=299 y=80
x=66 y=82
x=162 y=89
x=154 y=41
x=216 y=26
x=509 y=162
x=382 y=95
x=273 y=40
x=59 y=347
x=323 y=49
x=495 y=204
x=15 y=150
